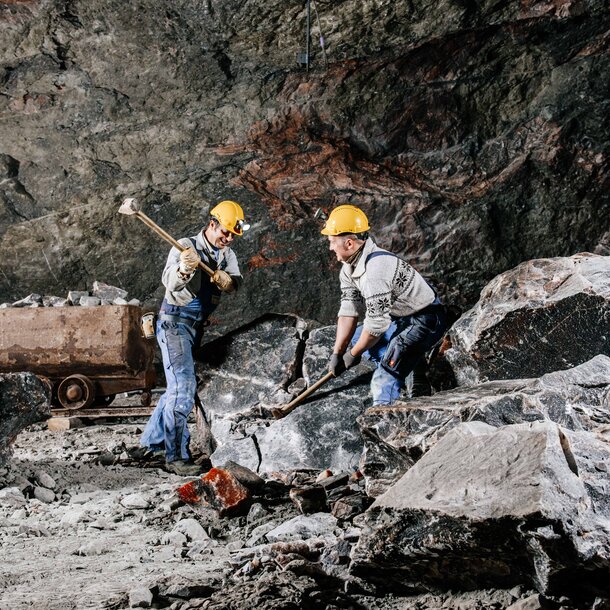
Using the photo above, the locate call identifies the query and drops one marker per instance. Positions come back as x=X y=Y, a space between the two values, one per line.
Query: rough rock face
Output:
x=494 y=507
x=542 y=316
x=475 y=136
x=396 y=437
x=239 y=388
x=24 y=400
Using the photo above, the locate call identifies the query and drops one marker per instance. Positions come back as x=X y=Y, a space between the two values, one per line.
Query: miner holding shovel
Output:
x=198 y=270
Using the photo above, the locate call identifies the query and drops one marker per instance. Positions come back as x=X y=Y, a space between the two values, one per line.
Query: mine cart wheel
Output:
x=75 y=392
x=146 y=398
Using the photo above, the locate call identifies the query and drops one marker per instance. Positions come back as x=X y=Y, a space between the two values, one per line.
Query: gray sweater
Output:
x=180 y=290
x=385 y=286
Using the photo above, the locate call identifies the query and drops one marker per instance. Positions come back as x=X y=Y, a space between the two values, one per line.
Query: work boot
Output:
x=181 y=467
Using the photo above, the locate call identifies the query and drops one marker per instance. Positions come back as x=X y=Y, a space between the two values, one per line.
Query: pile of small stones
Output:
x=100 y=294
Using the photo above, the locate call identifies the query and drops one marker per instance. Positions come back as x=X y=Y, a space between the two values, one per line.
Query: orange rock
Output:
x=221 y=490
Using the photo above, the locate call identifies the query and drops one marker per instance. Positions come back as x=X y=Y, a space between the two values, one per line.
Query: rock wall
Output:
x=474 y=135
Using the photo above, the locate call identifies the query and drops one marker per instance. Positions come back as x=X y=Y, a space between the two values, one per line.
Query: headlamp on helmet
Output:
x=230 y=216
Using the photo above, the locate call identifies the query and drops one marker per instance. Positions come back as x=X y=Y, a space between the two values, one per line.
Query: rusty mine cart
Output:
x=87 y=355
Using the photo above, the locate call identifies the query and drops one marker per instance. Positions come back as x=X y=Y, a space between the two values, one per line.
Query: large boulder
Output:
x=395 y=437
x=542 y=316
x=24 y=400
x=495 y=507
x=267 y=364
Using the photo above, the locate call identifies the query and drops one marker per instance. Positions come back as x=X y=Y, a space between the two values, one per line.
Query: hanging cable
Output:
x=315 y=8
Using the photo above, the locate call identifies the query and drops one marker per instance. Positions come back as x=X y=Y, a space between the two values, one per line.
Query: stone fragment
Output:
x=135 y=501
x=24 y=400
x=257 y=511
x=89 y=301
x=542 y=316
x=533 y=602
x=140 y=597
x=45 y=480
x=44 y=495
x=303 y=528
x=74 y=296
x=135 y=302
x=12 y=496
x=245 y=476
x=107 y=292
x=494 y=507
x=51 y=301
x=221 y=490
x=176 y=586
x=308 y=500
x=349 y=506
x=119 y=301
x=395 y=437
x=29 y=301
x=192 y=529
x=333 y=481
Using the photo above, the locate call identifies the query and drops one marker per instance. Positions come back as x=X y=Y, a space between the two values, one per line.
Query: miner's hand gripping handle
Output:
x=130 y=207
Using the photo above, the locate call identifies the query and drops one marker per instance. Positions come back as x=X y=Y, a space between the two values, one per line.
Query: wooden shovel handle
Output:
x=280 y=412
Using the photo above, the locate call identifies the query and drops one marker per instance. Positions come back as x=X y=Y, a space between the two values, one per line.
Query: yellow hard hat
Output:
x=346 y=219
x=230 y=215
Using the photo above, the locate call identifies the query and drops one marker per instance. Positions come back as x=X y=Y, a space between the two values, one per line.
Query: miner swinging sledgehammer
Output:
x=197 y=271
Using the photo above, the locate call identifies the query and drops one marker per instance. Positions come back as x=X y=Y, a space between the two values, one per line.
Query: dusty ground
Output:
x=82 y=525
x=96 y=541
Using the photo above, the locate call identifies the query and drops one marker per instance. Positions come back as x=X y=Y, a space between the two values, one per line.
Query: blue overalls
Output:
x=179 y=331
x=402 y=346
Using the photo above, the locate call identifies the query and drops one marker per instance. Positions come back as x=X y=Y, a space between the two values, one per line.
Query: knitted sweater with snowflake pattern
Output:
x=381 y=286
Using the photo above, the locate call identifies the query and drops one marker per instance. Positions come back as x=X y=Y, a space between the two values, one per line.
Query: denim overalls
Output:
x=402 y=346
x=179 y=331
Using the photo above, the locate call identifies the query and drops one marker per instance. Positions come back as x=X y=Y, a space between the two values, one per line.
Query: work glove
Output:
x=189 y=259
x=223 y=280
x=350 y=361
x=335 y=365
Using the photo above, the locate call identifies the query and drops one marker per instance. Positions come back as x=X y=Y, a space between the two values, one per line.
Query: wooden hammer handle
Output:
x=167 y=237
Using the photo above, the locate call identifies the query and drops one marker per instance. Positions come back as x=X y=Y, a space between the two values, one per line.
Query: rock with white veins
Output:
x=542 y=316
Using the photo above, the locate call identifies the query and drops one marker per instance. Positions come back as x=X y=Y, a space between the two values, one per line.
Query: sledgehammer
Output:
x=280 y=412
x=131 y=207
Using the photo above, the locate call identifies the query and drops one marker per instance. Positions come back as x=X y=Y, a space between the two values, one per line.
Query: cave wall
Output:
x=474 y=134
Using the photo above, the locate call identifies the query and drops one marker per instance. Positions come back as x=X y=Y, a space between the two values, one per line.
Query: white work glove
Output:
x=189 y=259
x=223 y=280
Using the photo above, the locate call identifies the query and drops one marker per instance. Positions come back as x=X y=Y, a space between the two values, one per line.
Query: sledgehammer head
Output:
x=129 y=206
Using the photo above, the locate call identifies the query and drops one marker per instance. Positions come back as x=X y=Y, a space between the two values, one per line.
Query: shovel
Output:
x=131 y=207
x=280 y=412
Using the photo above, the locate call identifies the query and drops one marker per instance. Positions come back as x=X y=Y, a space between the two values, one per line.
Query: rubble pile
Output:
x=493 y=495
x=126 y=524
x=100 y=294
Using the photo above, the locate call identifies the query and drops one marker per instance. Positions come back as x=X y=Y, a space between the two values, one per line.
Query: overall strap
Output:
x=210 y=263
